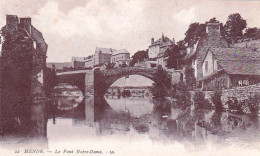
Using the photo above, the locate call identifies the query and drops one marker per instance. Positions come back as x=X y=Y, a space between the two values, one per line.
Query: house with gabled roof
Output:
x=102 y=56
x=230 y=67
x=157 y=46
x=196 y=52
x=218 y=65
x=120 y=57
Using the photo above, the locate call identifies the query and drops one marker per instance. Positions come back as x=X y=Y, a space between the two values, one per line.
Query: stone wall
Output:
x=241 y=93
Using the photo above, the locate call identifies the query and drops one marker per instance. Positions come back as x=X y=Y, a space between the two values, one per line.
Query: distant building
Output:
x=89 y=63
x=162 y=57
x=102 y=56
x=158 y=45
x=78 y=62
x=60 y=66
x=120 y=57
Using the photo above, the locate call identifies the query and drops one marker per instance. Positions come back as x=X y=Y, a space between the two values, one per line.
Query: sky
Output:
x=77 y=27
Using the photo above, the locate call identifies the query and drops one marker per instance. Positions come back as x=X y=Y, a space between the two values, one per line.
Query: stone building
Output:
x=217 y=66
x=196 y=52
x=162 y=57
x=24 y=26
x=157 y=46
x=102 y=56
x=89 y=63
x=230 y=67
x=78 y=62
x=82 y=62
x=120 y=57
x=23 y=74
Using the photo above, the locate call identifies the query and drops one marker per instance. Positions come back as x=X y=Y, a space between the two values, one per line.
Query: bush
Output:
x=234 y=105
x=182 y=95
x=253 y=104
x=190 y=78
x=200 y=102
x=162 y=83
x=126 y=93
x=216 y=99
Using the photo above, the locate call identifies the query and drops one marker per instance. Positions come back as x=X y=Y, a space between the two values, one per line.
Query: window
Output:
x=206 y=66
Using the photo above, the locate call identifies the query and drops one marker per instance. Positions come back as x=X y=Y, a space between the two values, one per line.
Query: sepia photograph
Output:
x=130 y=77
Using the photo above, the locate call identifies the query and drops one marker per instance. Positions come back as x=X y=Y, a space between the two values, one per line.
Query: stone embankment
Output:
x=240 y=93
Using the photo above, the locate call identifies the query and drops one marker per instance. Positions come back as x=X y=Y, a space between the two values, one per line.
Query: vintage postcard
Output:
x=129 y=77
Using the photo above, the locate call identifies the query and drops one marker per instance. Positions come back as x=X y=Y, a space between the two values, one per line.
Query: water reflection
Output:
x=158 y=120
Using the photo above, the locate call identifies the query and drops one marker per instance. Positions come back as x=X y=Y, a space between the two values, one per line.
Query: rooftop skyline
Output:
x=76 y=30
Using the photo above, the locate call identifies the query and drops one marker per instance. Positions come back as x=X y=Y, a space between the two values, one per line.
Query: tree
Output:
x=252 y=33
x=200 y=102
x=190 y=77
x=182 y=95
x=254 y=104
x=194 y=33
x=176 y=55
x=110 y=65
x=18 y=69
x=139 y=56
x=162 y=83
x=216 y=99
x=234 y=27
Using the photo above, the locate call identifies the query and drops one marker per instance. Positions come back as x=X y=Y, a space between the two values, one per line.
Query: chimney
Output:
x=213 y=32
x=152 y=40
x=25 y=23
x=162 y=37
x=213 y=27
x=173 y=41
x=12 y=22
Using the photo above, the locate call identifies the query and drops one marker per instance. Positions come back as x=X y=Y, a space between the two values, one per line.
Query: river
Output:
x=120 y=123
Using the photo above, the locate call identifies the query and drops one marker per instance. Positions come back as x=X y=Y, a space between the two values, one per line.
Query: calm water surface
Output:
x=70 y=119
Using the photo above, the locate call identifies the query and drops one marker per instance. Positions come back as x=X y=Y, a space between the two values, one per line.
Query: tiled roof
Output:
x=243 y=61
x=121 y=51
x=105 y=50
x=166 y=41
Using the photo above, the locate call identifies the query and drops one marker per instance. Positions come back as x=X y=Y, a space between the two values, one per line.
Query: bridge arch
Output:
x=114 y=79
x=74 y=79
x=105 y=78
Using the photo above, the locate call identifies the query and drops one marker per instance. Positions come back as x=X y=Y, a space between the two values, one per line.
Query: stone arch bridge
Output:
x=96 y=81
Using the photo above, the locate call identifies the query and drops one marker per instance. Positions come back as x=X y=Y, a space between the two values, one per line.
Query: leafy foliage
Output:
x=234 y=27
x=17 y=69
x=252 y=33
x=110 y=65
x=194 y=33
x=253 y=104
x=162 y=83
x=190 y=77
x=216 y=99
x=182 y=95
x=176 y=55
x=139 y=56
x=234 y=105
x=200 y=102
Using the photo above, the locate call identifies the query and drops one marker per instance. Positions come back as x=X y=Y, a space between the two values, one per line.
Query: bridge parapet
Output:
x=119 y=71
